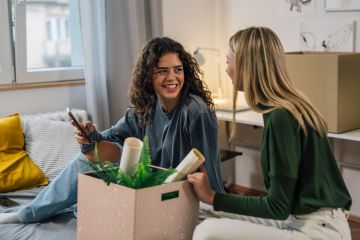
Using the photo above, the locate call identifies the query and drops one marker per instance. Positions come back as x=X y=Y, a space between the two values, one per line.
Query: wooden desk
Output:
x=247 y=117
x=250 y=117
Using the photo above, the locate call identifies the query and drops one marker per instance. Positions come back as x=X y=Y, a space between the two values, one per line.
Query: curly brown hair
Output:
x=142 y=93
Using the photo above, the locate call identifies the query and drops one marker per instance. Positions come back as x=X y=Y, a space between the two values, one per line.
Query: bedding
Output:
x=50 y=143
x=59 y=227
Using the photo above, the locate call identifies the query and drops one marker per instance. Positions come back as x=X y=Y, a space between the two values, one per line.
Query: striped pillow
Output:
x=50 y=144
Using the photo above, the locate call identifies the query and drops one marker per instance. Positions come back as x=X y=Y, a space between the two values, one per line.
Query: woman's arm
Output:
x=109 y=141
x=275 y=205
x=107 y=151
x=281 y=155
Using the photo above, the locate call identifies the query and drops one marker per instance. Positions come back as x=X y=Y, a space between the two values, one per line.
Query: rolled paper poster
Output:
x=189 y=164
x=130 y=155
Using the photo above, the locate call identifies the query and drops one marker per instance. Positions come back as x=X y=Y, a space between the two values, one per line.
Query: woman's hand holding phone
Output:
x=88 y=128
x=82 y=131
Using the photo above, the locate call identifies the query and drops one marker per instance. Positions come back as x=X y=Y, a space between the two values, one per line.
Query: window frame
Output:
x=24 y=75
x=6 y=62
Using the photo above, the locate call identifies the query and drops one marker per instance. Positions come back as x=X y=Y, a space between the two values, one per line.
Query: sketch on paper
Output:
x=296 y=7
x=298 y=4
x=327 y=36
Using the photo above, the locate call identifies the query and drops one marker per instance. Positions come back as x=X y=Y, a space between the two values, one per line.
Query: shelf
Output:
x=247 y=117
x=351 y=135
x=253 y=118
x=228 y=154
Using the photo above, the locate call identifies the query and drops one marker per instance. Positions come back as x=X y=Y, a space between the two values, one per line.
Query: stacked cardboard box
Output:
x=332 y=82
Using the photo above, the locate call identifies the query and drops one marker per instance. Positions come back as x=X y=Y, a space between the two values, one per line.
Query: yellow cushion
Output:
x=17 y=171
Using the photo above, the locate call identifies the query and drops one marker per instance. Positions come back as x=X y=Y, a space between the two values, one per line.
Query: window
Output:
x=47 y=43
x=6 y=70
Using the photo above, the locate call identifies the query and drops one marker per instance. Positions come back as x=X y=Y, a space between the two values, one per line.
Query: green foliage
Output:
x=144 y=176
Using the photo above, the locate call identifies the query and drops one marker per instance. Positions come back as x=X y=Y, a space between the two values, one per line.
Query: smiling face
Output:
x=168 y=80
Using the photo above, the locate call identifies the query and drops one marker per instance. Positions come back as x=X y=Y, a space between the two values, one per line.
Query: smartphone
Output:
x=6 y=202
x=78 y=125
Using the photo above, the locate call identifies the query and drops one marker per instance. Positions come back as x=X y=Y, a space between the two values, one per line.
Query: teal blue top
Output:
x=172 y=135
x=300 y=173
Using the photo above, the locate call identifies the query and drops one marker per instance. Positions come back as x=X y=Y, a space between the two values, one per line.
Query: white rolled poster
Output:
x=130 y=156
x=189 y=164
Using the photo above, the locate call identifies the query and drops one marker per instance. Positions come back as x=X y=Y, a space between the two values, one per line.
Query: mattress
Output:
x=59 y=227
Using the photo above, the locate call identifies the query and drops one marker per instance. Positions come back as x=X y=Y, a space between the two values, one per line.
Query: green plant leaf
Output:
x=144 y=175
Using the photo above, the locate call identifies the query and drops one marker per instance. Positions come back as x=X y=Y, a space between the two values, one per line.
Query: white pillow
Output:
x=50 y=144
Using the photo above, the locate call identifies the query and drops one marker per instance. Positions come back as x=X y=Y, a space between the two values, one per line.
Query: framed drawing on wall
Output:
x=327 y=36
x=342 y=5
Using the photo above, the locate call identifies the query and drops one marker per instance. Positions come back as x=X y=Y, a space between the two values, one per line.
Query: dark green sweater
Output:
x=300 y=173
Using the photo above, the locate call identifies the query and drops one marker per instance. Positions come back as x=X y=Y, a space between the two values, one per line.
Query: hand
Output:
x=88 y=128
x=200 y=182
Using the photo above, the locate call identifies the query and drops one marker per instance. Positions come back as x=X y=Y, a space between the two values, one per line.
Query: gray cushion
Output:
x=50 y=144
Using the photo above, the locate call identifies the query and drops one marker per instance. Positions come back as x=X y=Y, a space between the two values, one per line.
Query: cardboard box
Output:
x=168 y=211
x=332 y=82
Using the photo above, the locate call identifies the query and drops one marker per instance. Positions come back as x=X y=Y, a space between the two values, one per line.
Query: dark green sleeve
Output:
x=280 y=156
x=275 y=205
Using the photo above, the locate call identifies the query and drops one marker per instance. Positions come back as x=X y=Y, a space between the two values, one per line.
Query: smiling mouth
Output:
x=170 y=86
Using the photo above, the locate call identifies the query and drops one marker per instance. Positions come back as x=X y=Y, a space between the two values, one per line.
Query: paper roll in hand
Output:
x=130 y=155
x=189 y=164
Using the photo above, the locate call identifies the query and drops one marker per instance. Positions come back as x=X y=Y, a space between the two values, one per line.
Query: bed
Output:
x=41 y=132
x=60 y=227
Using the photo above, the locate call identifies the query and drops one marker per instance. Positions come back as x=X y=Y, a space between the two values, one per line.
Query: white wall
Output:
x=211 y=22
x=234 y=15
x=42 y=100
x=193 y=24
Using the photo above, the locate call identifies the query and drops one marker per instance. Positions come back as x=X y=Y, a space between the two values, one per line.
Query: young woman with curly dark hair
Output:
x=142 y=92
x=171 y=105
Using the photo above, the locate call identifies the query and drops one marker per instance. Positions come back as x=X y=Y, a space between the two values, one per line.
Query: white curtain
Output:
x=92 y=25
x=113 y=32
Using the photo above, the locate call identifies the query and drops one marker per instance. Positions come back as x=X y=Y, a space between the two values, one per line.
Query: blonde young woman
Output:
x=306 y=195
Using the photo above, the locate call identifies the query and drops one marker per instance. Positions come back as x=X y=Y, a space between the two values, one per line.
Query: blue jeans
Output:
x=60 y=194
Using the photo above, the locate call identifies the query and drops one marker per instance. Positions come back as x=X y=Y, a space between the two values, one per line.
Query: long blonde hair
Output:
x=260 y=66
